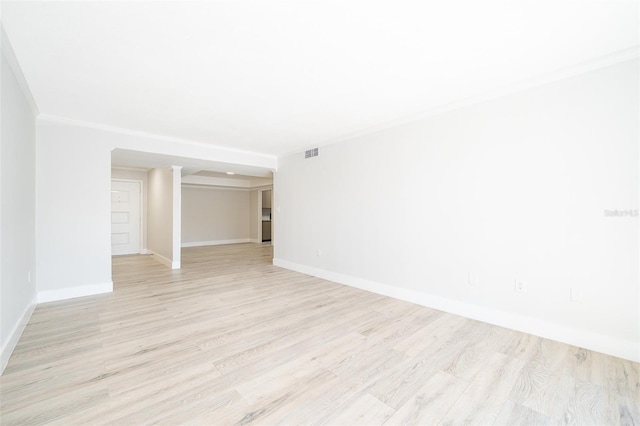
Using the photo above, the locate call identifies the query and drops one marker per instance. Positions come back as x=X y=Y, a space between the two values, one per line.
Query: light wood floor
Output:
x=231 y=339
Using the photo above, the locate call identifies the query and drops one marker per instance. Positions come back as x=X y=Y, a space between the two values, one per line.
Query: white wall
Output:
x=255 y=217
x=177 y=216
x=161 y=217
x=73 y=184
x=74 y=247
x=509 y=189
x=17 y=214
x=214 y=216
x=136 y=175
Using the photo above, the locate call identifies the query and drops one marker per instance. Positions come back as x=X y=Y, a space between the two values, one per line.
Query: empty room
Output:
x=320 y=212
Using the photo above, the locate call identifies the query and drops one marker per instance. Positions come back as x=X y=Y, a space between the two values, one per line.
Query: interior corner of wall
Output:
x=14 y=335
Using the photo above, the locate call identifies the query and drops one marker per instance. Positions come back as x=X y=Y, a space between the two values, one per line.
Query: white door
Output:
x=125 y=217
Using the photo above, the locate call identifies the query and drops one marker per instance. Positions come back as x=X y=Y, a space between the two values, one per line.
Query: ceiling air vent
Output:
x=311 y=153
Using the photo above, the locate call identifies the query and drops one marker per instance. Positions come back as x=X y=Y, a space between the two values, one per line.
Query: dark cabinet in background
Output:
x=266 y=230
x=266 y=199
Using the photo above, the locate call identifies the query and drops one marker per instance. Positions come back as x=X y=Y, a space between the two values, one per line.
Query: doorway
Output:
x=265 y=215
x=125 y=217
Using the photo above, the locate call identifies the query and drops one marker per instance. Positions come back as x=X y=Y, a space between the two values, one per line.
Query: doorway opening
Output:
x=126 y=217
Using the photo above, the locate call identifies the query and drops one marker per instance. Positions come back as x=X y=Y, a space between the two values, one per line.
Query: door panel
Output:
x=125 y=217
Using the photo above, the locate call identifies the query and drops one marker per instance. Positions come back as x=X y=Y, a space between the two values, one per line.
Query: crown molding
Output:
x=217 y=187
x=604 y=61
x=148 y=135
x=130 y=169
x=16 y=69
x=228 y=188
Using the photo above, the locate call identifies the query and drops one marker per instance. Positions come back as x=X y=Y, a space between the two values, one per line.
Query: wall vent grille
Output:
x=311 y=153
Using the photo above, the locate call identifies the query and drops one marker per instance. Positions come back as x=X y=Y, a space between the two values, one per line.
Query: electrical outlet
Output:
x=29 y=277
x=319 y=252
x=520 y=286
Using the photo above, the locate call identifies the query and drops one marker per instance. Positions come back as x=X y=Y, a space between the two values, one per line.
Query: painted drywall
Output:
x=213 y=215
x=160 y=214
x=17 y=214
x=141 y=176
x=73 y=183
x=176 y=236
x=255 y=217
x=73 y=219
x=452 y=210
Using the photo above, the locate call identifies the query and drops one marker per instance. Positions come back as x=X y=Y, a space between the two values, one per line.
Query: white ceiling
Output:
x=281 y=76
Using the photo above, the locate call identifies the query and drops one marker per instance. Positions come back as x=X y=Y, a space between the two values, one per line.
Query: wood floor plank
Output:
x=232 y=339
x=516 y=414
x=537 y=384
x=366 y=410
x=444 y=326
x=431 y=402
x=293 y=401
x=581 y=402
x=483 y=399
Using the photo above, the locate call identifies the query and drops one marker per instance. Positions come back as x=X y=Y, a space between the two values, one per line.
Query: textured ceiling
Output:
x=280 y=76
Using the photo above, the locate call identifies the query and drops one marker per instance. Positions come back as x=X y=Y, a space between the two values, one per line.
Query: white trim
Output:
x=73 y=292
x=166 y=262
x=138 y=133
x=160 y=258
x=130 y=168
x=195 y=181
x=263 y=188
x=218 y=242
x=220 y=187
x=15 y=334
x=14 y=65
x=520 y=86
x=229 y=188
x=585 y=339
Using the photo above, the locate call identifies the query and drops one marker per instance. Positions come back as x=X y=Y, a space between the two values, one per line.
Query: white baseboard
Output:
x=160 y=258
x=217 y=242
x=14 y=336
x=255 y=240
x=539 y=327
x=73 y=292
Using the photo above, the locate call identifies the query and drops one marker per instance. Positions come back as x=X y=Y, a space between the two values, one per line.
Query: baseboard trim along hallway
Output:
x=581 y=338
x=73 y=292
x=14 y=337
